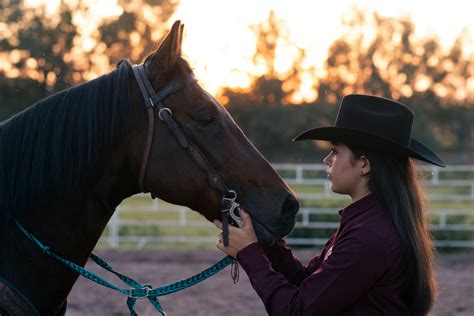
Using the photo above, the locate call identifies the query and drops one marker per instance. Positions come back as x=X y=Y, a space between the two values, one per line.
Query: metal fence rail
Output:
x=459 y=180
x=300 y=174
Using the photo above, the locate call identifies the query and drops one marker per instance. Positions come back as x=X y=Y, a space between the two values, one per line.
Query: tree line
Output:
x=438 y=84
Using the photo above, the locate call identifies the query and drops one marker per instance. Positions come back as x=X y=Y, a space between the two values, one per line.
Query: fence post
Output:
x=435 y=177
x=182 y=216
x=155 y=204
x=299 y=173
x=305 y=219
x=442 y=219
x=327 y=189
x=113 y=232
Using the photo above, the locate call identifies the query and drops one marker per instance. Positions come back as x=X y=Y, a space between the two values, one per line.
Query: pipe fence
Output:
x=140 y=221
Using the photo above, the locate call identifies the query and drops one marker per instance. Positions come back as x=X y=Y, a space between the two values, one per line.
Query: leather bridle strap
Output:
x=155 y=100
x=151 y=126
x=214 y=178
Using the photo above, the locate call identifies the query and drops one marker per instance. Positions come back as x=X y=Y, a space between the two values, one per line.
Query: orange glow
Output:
x=220 y=41
x=422 y=83
x=312 y=26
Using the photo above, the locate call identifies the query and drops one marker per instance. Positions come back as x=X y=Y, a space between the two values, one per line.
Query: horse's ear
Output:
x=163 y=60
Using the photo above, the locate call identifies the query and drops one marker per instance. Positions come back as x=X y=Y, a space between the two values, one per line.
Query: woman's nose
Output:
x=326 y=160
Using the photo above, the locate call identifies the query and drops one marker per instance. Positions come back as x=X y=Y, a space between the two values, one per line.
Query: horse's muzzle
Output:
x=286 y=221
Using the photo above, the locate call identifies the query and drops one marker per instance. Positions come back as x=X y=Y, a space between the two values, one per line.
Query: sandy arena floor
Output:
x=219 y=296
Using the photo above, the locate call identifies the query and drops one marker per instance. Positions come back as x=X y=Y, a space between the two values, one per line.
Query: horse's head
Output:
x=173 y=175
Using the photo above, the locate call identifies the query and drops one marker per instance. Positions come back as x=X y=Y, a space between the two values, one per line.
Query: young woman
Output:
x=380 y=260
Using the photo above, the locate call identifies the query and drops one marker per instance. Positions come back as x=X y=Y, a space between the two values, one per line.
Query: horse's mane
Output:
x=46 y=149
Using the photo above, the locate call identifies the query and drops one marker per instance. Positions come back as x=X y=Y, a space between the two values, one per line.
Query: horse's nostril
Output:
x=290 y=206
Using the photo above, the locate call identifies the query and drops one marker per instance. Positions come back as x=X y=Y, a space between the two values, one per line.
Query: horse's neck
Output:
x=71 y=228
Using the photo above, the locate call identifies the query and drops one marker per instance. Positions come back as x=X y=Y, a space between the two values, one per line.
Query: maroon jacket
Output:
x=360 y=270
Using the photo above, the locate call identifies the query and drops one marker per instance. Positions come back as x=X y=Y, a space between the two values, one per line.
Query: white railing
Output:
x=433 y=177
x=113 y=239
x=182 y=218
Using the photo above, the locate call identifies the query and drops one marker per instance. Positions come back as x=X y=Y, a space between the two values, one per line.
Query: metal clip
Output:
x=232 y=206
x=227 y=202
x=236 y=216
x=139 y=293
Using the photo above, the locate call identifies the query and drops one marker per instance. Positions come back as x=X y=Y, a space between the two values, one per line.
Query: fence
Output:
x=141 y=221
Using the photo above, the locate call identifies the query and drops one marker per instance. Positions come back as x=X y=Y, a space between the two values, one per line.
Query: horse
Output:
x=68 y=161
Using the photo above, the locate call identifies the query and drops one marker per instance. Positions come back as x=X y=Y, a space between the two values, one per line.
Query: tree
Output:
x=42 y=53
x=390 y=63
x=34 y=47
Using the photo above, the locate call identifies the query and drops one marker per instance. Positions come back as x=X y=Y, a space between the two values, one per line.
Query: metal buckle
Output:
x=170 y=113
x=236 y=216
x=139 y=293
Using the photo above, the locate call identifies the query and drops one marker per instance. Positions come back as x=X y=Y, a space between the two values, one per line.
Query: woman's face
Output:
x=343 y=173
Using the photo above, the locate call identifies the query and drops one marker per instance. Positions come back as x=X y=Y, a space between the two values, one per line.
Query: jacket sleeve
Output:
x=356 y=262
x=283 y=261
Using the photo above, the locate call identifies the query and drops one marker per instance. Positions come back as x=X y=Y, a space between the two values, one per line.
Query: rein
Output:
x=136 y=290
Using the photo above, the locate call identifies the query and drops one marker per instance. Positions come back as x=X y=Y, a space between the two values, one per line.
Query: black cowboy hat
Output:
x=375 y=123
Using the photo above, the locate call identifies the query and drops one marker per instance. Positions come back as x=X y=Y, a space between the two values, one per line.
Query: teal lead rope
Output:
x=137 y=290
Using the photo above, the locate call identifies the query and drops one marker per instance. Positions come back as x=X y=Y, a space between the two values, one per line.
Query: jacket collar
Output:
x=356 y=208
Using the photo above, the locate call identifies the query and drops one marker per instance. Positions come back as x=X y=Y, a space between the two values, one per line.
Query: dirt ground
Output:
x=219 y=296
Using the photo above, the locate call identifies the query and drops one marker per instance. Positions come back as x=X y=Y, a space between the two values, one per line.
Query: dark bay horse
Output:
x=69 y=160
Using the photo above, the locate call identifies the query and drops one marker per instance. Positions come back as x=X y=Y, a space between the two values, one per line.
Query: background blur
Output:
x=278 y=66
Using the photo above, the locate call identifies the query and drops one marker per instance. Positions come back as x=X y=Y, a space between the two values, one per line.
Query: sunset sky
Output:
x=220 y=44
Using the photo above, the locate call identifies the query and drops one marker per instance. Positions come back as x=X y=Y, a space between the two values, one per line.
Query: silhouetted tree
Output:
x=44 y=57
x=391 y=63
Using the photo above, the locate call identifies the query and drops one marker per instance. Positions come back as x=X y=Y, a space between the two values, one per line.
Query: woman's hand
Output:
x=239 y=238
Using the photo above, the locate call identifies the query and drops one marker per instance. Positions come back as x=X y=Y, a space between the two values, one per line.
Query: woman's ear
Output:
x=365 y=165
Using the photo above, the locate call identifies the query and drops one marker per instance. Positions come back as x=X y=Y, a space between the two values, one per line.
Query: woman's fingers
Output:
x=239 y=237
x=220 y=246
x=246 y=218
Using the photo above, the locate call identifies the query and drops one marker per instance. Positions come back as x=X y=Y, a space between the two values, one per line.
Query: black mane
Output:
x=46 y=149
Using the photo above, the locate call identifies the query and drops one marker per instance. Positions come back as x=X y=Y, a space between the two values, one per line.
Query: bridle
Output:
x=154 y=100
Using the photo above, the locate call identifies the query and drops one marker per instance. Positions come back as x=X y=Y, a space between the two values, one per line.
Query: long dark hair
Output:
x=394 y=181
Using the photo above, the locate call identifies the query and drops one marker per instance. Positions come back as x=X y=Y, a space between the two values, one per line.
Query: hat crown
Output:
x=377 y=116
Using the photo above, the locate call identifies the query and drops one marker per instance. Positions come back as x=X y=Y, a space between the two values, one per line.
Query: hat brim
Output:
x=363 y=139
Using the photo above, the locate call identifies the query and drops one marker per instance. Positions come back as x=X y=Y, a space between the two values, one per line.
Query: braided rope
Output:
x=183 y=284
x=137 y=290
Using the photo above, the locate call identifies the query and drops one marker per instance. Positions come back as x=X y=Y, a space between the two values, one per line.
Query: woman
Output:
x=380 y=260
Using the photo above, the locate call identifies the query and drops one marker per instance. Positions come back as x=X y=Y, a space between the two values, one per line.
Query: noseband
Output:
x=215 y=179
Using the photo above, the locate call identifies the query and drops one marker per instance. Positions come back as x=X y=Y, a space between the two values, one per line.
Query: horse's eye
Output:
x=205 y=120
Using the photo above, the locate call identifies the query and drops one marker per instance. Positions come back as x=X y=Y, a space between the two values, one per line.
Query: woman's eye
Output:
x=332 y=152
